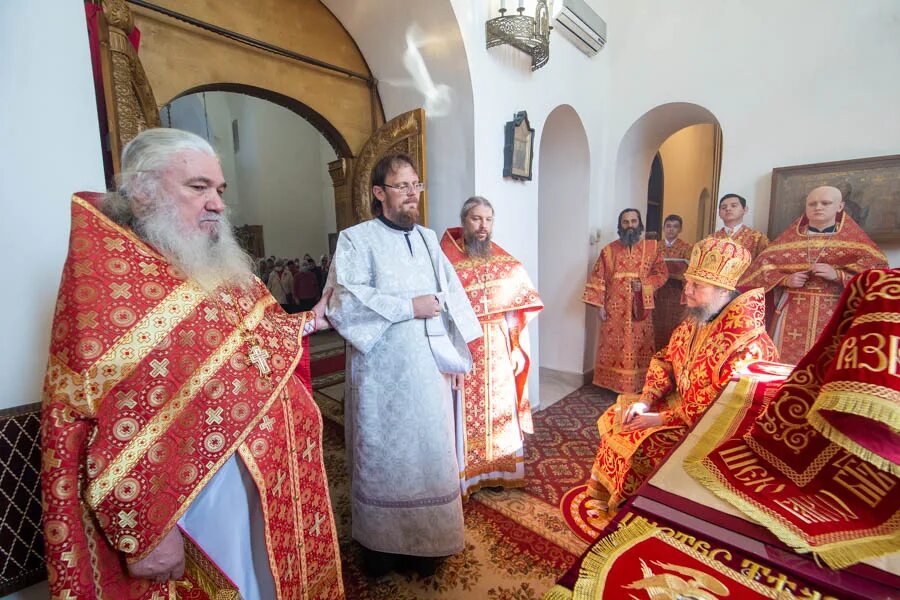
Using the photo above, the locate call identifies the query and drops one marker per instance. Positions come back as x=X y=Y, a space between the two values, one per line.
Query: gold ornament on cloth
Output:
x=718 y=261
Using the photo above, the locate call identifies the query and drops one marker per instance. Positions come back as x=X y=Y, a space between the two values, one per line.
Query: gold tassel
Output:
x=602 y=551
x=557 y=592
x=863 y=406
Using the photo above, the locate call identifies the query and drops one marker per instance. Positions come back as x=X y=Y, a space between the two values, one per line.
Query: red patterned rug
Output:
x=559 y=455
x=575 y=513
x=517 y=542
x=326 y=360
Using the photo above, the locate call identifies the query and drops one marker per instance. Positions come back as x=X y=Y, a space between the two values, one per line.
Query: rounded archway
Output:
x=563 y=192
x=276 y=161
x=314 y=118
x=687 y=137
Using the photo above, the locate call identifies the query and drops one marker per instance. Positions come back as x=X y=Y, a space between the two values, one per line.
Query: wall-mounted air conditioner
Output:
x=581 y=25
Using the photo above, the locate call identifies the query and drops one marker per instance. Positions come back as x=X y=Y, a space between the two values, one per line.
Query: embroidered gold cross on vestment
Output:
x=258 y=357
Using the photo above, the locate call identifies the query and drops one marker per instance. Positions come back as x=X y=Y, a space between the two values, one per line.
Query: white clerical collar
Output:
x=730 y=231
x=668 y=243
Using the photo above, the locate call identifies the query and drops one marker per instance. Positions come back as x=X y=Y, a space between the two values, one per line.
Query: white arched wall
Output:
x=641 y=143
x=415 y=51
x=563 y=192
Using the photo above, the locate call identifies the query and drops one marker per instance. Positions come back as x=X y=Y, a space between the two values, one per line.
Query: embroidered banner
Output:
x=642 y=561
x=765 y=457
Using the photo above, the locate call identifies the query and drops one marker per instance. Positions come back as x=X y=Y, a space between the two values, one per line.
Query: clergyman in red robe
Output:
x=182 y=454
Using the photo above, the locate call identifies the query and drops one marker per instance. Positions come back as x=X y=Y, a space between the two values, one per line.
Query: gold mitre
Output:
x=718 y=261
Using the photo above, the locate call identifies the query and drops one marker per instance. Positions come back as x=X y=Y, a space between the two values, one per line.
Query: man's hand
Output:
x=601 y=311
x=825 y=271
x=796 y=280
x=643 y=421
x=518 y=360
x=321 y=320
x=636 y=285
x=633 y=411
x=457 y=380
x=165 y=562
x=427 y=306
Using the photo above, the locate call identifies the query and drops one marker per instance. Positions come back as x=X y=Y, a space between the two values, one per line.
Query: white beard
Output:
x=211 y=260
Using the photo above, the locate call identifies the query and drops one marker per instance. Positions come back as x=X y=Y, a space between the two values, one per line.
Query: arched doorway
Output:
x=563 y=192
x=688 y=141
x=280 y=196
x=655 y=192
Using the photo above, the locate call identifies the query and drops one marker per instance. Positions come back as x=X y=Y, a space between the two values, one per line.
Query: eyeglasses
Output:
x=406 y=188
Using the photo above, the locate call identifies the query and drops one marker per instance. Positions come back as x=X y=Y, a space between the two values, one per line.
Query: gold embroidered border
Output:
x=837 y=554
x=801 y=479
x=335 y=546
x=494 y=258
x=874 y=252
x=111 y=368
x=257 y=476
x=207 y=575
x=100 y=487
x=297 y=513
x=595 y=567
x=877 y=317
x=852 y=446
x=123 y=231
x=866 y=400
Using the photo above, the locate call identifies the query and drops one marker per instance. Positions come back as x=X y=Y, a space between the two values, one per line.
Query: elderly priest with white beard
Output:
x=181 y=453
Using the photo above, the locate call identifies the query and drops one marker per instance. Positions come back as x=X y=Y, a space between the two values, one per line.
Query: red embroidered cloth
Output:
x=625 y=341
x=669 y=311
x=495 y=409
x=800 y=314
x=150 y=388
x=765 y=457
x=639 y=560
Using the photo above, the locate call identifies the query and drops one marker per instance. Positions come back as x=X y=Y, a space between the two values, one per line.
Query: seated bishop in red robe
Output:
x=723 y=332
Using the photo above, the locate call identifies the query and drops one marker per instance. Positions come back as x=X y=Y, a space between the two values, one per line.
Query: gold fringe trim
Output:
x=557 y=592
x=836 y=555
x=863 y=402
x=599 y=558
x=870 y=401
x=838 y=437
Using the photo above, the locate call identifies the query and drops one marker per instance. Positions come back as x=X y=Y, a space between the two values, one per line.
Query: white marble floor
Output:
x=556 y=385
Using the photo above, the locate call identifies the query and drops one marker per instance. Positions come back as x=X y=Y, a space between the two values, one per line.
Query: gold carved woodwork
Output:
x=340 y=170
x=404 y=133
x=130 y=105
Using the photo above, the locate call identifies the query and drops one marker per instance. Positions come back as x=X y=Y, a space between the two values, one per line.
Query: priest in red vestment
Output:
x=807 y=268
x=622 y=285
x=182 y=455
x=732 y=209
x=723 y=332
x=493 y=411
x=669 y=311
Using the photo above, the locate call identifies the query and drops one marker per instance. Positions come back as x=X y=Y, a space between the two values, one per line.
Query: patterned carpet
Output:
x=517 y=542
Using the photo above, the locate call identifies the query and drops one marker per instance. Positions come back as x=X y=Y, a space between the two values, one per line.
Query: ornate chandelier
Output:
x=531 y=35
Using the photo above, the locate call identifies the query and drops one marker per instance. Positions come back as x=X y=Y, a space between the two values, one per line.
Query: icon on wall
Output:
x=518 y=149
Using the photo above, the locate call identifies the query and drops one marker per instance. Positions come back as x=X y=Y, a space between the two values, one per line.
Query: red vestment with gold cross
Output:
x=800 y=314
x=669 y=311
x=684 y=378
x=625 y=338
x=494 y=406
x=754 y=241
x=152 y=385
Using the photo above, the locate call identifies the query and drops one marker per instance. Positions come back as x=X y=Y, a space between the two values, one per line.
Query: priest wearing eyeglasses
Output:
x=401 y=307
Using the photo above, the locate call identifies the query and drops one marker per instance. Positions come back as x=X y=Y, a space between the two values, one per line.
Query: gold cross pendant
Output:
x=258 y=357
